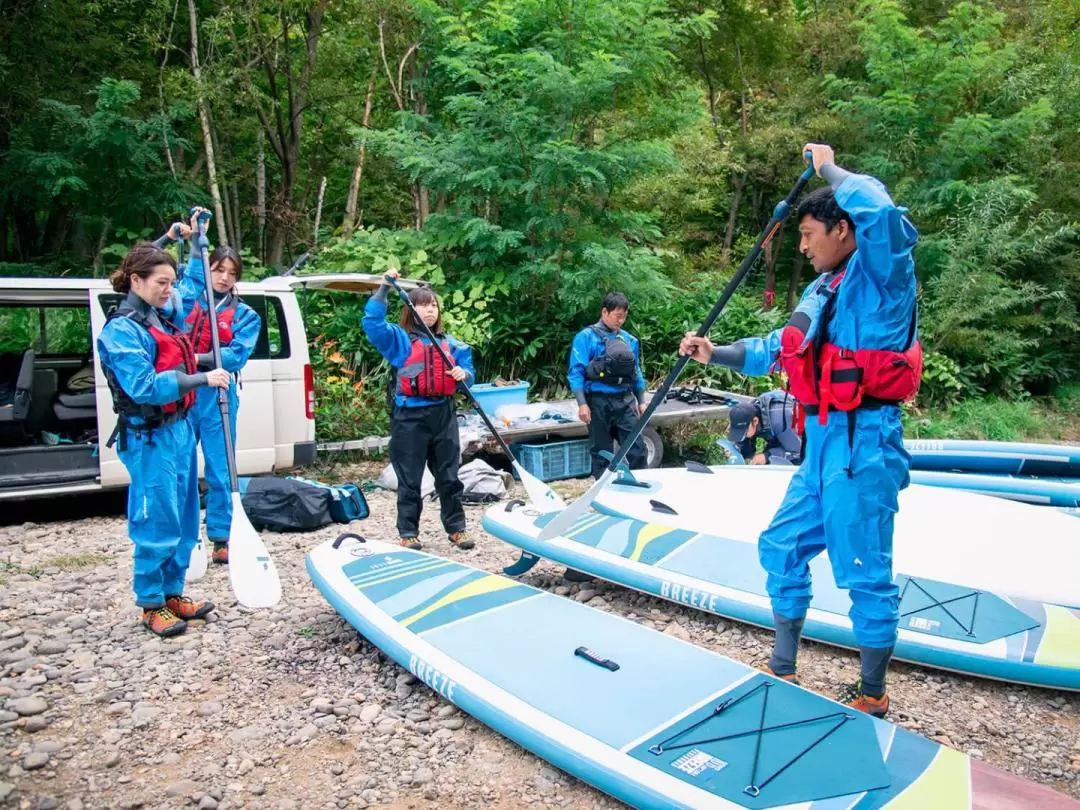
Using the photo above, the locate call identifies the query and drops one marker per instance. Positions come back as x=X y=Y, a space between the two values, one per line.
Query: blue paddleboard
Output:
x=653 y=721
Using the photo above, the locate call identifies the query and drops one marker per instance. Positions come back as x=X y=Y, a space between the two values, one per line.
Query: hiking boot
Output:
x=163 y=622
x=411 y=543
x=188 y=609
x=853 y=697
x=461 y=540
x=792 y=678
x=220 y=554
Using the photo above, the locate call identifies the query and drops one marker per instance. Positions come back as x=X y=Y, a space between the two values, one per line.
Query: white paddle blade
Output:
x=252 y=574
x=197 y=564
x=569 y=516
x=542 y=496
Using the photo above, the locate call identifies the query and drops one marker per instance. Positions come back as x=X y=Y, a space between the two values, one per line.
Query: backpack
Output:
x=284 y=505
x=482 y=482
x=617 y=365
x=347 y=502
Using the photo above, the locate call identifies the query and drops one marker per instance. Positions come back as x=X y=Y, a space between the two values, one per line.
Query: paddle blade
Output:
x=542 y=496
x=571 y=514
x=252 y=574
x=197 y=563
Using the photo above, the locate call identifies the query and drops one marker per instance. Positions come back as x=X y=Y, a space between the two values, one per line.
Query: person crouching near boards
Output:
x=238 y=331
x=423 y=420
x=605 y=378
x=152 y=375
x=770 y=417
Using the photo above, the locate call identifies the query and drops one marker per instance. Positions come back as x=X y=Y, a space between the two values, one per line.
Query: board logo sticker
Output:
x=925 y=445
x=695 y=762
x=918 y=623
x=432 y=677
x=688 y=596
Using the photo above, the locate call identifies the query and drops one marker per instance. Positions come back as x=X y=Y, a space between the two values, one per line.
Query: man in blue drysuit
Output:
x=845 y=494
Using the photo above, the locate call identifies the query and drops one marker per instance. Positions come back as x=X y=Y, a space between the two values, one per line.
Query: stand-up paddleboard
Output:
x=944 y=624
x=1060 y=491
x=948 y=535
x=653 y=721
x=1020 y=458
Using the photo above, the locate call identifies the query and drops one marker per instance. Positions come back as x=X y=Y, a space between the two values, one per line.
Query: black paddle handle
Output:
x=594 y=658
x=449 y=362
x=780 y=213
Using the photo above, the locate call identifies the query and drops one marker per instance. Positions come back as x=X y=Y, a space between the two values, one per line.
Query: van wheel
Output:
x=654 y=448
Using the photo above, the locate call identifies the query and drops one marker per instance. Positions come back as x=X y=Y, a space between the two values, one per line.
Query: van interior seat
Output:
x=76 y=407
x=18 y=373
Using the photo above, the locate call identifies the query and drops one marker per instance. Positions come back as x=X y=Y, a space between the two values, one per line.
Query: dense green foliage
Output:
x=526 y=156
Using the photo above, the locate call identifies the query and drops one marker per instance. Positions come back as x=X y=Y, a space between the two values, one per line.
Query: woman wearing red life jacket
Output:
x=423 y=422
x=152 y=374
x=238 y=331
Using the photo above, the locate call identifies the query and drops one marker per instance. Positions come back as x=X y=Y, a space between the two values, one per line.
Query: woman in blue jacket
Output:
x=423 y=422
x=152 y=374
x=238 y=332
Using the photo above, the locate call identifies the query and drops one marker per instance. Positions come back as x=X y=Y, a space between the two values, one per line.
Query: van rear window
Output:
x=273 y=342
x=62 y=330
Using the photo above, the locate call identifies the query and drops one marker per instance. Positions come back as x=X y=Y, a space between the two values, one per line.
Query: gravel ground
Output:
x=290 y=708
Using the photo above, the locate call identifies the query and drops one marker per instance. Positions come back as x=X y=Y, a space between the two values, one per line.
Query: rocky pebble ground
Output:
x=291 y=708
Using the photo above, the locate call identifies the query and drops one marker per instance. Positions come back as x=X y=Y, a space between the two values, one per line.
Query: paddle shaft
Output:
x=211 y=314
x=449 y=362
x=780 y=213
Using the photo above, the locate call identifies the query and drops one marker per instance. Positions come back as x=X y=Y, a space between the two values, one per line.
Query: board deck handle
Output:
x=348 y=536
x=599 y=660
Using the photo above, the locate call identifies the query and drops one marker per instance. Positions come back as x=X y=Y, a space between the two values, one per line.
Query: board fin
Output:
x=698 y=467
x=660 y=506
x=524 y=564
x=623 y=475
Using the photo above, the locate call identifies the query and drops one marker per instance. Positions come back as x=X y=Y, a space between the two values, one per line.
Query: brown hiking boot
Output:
x=411 y=543
x=792 y=678
x=221 y=554
x=461 y=540
x=853 y=697
x=163 y=622
x=188 y=609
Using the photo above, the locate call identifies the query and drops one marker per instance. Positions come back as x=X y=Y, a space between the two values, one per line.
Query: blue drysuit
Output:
x=163 y=499
x=586 y=347
x=825 y=507
x=614 y=409
x=206 y=415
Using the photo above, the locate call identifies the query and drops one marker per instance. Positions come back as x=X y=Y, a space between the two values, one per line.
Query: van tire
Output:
x=654 y=448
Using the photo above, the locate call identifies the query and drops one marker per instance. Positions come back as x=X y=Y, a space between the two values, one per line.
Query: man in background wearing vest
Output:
x=770 y=417
x=851 y=356
x=605 y=377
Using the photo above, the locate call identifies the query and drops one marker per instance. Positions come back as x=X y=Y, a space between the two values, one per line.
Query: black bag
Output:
x=617 y=365
x=284 y=504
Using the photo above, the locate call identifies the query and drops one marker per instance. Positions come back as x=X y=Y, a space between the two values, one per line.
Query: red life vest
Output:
x=198 y=326
x=822 y=375
x=172 y=352
x=425 y=373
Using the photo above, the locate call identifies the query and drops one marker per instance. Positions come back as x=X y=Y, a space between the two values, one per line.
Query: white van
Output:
x=53 y=434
